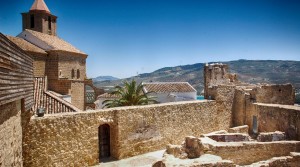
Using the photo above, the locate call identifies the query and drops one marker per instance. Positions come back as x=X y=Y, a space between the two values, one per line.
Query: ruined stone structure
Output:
x=232 y=149
x=37 y=66
x=217 y=74
x=247 y=100
x=16 y=90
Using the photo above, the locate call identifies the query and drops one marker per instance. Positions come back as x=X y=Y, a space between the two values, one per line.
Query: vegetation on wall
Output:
x=131 y=94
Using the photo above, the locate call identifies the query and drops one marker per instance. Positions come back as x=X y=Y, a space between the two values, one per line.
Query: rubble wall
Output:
x=71 y=139
x=151 y=128
x=239 y=108
x=274 y=117
x=248 y=153
x=225 y=98
x=10 y=134
x=274 y=94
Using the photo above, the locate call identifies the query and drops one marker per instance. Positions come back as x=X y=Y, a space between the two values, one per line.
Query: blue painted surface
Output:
x=200 y=97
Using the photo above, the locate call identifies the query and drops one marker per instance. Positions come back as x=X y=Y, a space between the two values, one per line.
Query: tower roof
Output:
x=39 y=5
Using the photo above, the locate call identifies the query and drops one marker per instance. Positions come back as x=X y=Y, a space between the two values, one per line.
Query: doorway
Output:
x=104 y=141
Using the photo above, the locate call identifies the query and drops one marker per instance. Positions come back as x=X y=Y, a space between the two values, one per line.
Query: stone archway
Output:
x=90 y=97
x=91 y=94
x=104 y=141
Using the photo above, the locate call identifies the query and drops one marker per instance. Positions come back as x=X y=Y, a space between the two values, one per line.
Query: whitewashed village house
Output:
x=102 y=98
x=171 y=91
x=163 y=92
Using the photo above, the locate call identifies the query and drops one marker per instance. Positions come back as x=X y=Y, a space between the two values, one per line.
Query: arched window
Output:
x=32 y=21
x=49 y=22
x=78 y=74
x=73 y=73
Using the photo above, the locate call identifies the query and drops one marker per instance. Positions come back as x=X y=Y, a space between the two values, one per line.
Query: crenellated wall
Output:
x=72 y=138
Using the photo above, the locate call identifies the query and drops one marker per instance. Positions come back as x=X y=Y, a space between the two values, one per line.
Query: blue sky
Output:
x=126 y=37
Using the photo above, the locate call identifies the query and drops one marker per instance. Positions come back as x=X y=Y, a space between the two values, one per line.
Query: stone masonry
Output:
x=11 y=134
x=72 y=138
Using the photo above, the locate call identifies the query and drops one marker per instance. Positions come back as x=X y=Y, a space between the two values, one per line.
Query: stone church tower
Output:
x=62 y=65
x=39 y=19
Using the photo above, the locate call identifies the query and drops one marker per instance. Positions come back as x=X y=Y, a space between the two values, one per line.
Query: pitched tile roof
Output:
x=26 y=46
x=107 y=95
x=54 y=42
x=164 y=87
x=39 y=5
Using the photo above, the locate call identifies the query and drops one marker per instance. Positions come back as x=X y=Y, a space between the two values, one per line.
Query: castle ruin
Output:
x=39 y=70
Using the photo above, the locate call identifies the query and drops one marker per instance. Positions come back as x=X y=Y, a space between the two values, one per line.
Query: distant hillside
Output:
x=104 y=78
x=251 y=71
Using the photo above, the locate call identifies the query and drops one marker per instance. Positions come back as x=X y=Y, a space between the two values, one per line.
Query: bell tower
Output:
x=39 y=18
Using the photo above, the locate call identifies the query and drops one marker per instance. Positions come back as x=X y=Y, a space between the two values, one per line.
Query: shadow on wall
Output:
x=297 y=97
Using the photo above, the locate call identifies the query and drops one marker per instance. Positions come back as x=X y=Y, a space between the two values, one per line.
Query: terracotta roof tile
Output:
x=39 y=5
x=107 y=95
x=26 y=46
x=163 y=87
x=55 y=42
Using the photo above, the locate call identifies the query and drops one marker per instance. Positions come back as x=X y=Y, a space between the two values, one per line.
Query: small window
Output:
x=78 y=74
x=73 y=73
x=49 y=22
x=32 y=21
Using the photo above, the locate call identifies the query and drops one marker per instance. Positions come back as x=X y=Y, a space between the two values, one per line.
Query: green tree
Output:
x=131 y=94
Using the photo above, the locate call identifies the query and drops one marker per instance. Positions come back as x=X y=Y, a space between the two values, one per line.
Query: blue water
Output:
x=200 y=97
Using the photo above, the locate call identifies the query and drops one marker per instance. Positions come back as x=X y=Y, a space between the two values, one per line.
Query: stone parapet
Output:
x=53 y=140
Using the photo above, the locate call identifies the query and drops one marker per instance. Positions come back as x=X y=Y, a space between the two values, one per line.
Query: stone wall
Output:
x=243 y=153
x=39 y=64
x=40 y=22
x=239 y=107
x=244 y=109
x=78 y=94
x=62 y=86
x=217 y=74
x=10 y=134
x=52 y=66
x=71 y=61
x=72 y=138
x=274 y=94
x=274 y=117
x=224 y=97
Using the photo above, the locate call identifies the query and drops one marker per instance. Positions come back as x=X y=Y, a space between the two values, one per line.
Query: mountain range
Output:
x=104 y=78
x=250 y=71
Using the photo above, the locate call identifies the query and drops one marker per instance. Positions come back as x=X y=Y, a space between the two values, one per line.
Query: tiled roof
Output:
x=39 y=5
x=26 y=45
x=164 y=87
x=107 y=95
x=53 y=41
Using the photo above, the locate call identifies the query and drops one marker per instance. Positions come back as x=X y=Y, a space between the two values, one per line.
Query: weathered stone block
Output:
x=271 y=136
x=176 y=150
x=193 y=147
x=239 y=129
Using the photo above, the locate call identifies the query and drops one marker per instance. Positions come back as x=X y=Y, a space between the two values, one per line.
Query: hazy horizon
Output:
x=126 y=38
